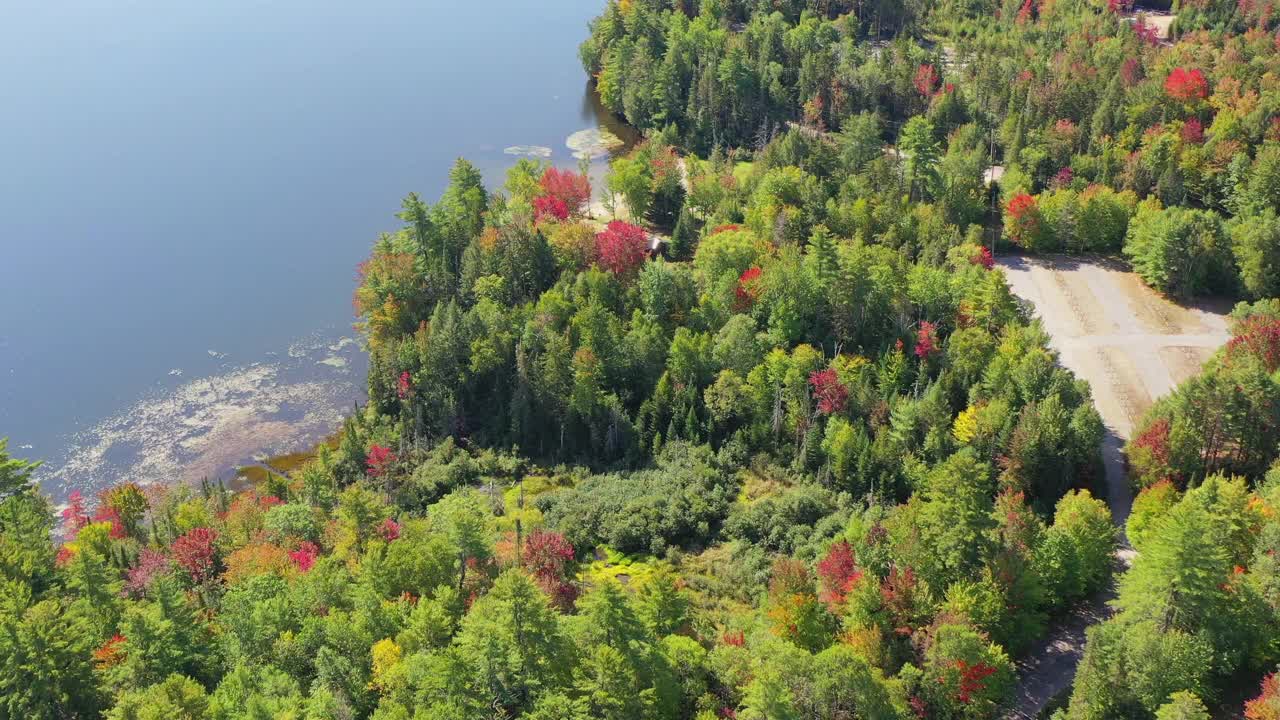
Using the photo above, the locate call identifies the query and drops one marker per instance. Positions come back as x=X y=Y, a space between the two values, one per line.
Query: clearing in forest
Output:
x=1132 y=344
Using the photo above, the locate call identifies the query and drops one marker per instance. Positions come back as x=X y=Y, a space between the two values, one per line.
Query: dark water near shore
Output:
x=186 y=188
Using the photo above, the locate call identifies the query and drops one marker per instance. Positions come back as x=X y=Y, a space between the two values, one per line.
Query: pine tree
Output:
x=821 y=258
x=15 y=474
x=1177 y=579
x=684 y=238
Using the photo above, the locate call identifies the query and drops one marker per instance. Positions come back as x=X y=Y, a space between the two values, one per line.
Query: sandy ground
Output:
x=1130 y=343
x=1133 y=346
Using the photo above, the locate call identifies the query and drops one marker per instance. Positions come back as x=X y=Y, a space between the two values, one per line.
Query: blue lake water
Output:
x=186 y=188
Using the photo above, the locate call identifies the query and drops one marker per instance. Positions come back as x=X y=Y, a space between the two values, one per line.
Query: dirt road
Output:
x=1133 y=346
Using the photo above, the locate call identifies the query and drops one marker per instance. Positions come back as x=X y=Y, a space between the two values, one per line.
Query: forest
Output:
x=756 y=429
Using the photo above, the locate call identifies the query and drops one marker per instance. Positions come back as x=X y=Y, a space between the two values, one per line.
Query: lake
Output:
x=186 y=189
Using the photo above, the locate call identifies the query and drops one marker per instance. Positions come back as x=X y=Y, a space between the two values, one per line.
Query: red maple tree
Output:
x=151 y=564
x=549 y=207
x=74 y=516
x=572 y=190
x=1186 y=85
x=984 y=258
x=111 y=652
x=926 y=340
x=548 y=557
x=1259 y=337
x=305 y=556
x=379 y=460
x=1193 y=131
x=194 y=552
x=1022 y=220
x=972 y=679
x=621 y=247
x=926 y=80
x=831 y=394
x=1146 y=32
x=748 y=289
x=389 y=530
x=838 y=573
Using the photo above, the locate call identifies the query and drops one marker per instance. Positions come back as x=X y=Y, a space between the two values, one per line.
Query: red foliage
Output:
x=404 y=386
x=106 y=513
x=918 y=706
x=1020 y=204
x=971 y=679
x=838 y=572
x=725 y=228
x=1146 y=33
x=1119 y=7
x=151 y=564
x=570 y=189
x=74 y=516
x=548 y=556
x=379 y=460
x=1260 y=337
x=622 y=247
x=831 y=394
x=1267 y=705
x=736 y=638
x=195 y=553
x=926 y=340
x=926 y=80
x=748 y=289
x=1023 y=215
x=1186 y=85
x=389 y=530
x=111 y=652
x=1062 y=178
x=549 y=206
x=1193 y=131
x=984 y=258
x=64 y=556
x=1024 y=14
x=305 y=556
x=1155 y=440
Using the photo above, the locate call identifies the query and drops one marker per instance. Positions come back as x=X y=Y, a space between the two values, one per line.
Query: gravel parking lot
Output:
x=1133 y=346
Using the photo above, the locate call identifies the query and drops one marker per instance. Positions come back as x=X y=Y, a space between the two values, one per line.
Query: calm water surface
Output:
x=185 y=189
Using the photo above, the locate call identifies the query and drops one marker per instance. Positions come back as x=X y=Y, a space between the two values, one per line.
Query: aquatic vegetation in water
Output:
x=536 y=151
x=592 y=143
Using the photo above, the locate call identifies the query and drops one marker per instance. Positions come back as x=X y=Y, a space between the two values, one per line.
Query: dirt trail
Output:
x=1133 y=346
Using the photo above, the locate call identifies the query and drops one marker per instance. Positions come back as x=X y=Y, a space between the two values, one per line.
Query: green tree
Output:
x=175 y=698
x=921 y=157
x=15 y=473
x=46 y=666
x=1178 y=250
x=512 y=646
x=1255 y=239
x=1183 y=705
